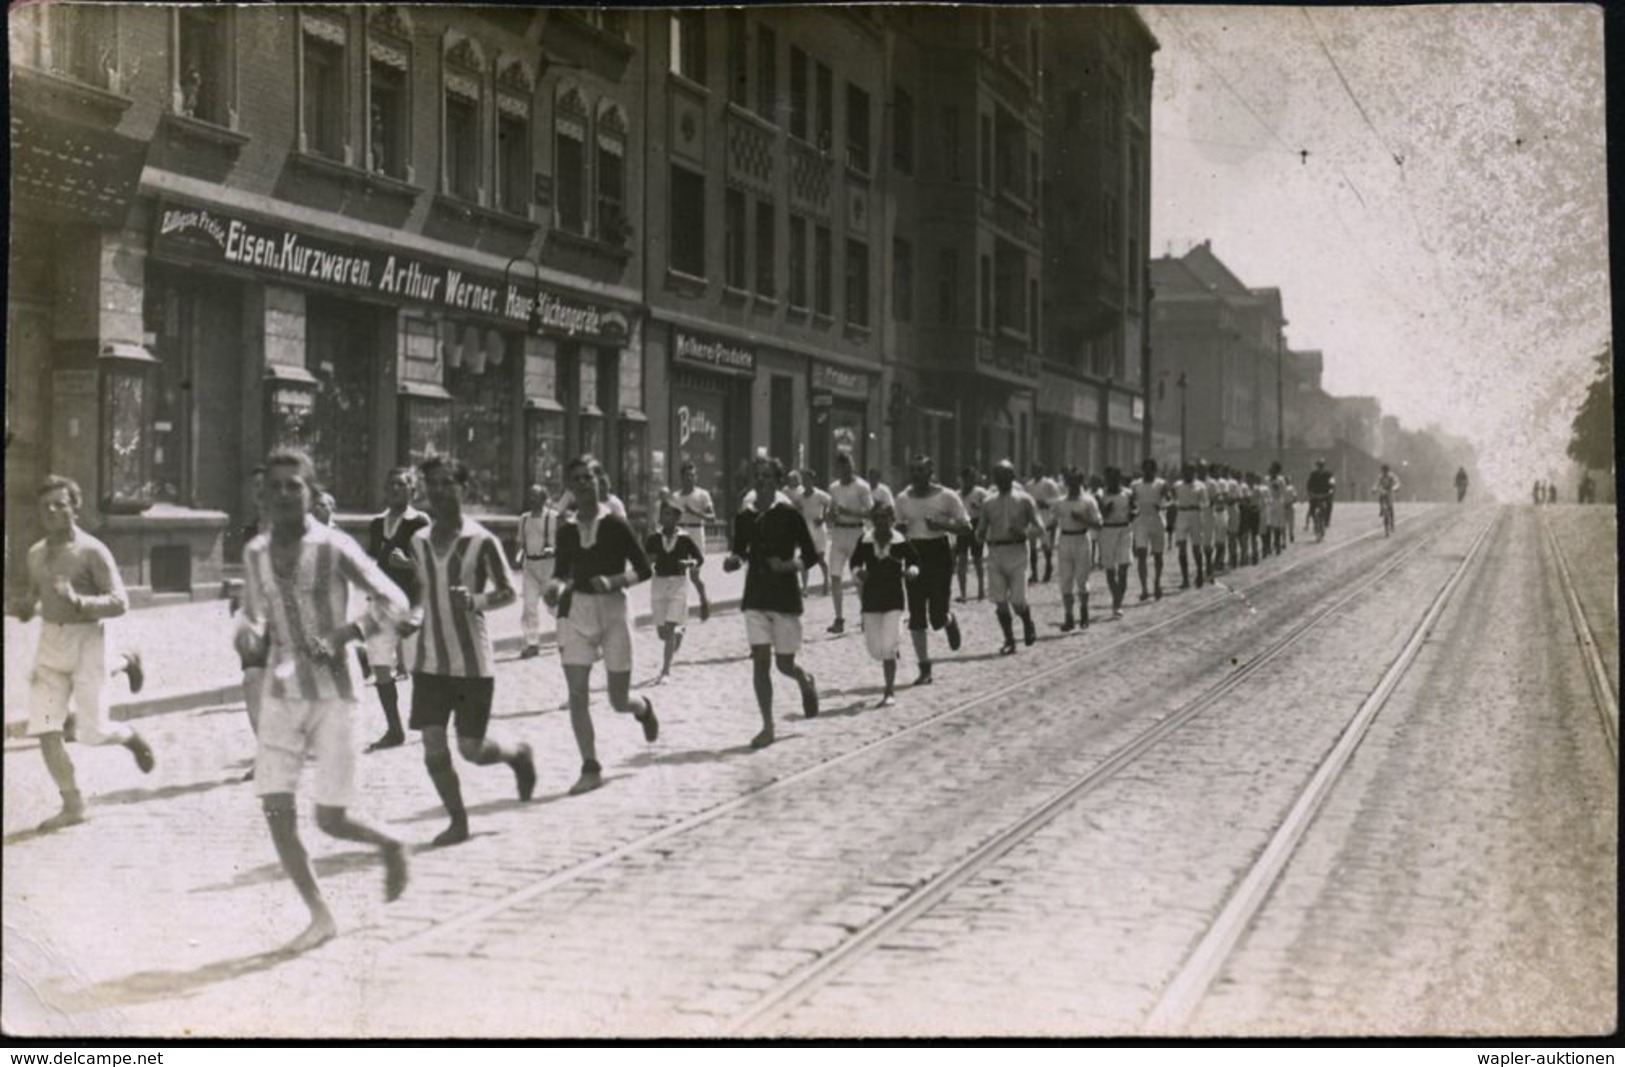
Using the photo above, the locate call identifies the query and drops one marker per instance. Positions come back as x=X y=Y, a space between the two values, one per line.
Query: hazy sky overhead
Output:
x=1426 y=186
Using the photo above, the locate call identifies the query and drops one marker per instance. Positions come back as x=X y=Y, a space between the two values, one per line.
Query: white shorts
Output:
x=70 y=666
x=843 y=541
x=596 y=625
x=1149 y=533
x=1115 y=546
x=1072 y=561
x=1007 y=574
x=775 y=628
x=668 y=599
x=383 y=646
x=1188 y=525
x=882 y=633
x=820 y=539
x=291 y=728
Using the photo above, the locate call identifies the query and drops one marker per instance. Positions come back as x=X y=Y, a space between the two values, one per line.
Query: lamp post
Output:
x=1182 y=428
x=1280 y=402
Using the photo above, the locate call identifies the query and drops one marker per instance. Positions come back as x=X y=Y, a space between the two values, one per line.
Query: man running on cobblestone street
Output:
x=1189 y=495
x=851 y=503
x=1077 y=515
x=1007 y=516
x=885 y=564
x=297 y=582
x=537 y=538
x=461 y=576
x=597 y=549
x=968 y=548
x=931 y=512
x=1045 y=492
x=1150 y=538
x=770 y=539
x=1116 y=513
x=389 y=543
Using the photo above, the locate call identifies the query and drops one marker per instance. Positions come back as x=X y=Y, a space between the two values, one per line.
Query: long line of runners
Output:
x=429 y=582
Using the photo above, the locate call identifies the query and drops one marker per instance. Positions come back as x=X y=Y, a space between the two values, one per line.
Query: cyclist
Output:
x=1387 y=485
x=1322 y=487
x=1461 y=484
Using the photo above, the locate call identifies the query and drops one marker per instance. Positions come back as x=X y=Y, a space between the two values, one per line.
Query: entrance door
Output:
x=339 y=352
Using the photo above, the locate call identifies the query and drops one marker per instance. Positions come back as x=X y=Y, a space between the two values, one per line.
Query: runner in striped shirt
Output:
x=298 y=579
x=461 y=575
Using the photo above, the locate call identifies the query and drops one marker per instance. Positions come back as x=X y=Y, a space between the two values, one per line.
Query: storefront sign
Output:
x=848 y=383
x=712 y=353
x=200 y=234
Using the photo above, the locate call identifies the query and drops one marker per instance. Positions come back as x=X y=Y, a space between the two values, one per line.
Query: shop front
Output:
x=840 y=418
x=710 y=381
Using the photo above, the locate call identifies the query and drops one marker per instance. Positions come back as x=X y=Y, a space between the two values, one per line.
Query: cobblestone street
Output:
x=703 y=875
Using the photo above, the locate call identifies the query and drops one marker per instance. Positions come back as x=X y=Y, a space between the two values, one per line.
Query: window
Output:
x=514 y=95
x=902 y=265
x=688 y=45
x=987 y=152
x=903 y=132
x=205 y=88
x=570 y=162
x=765 y=239
x=463 y=76
x=798 y=261
x=985 y=287
x=615 y=22
x=323 y=106
x=825 y=100
x=950 y=141
x=799 y=98
x=1113 y=227
x=387 y=120
x=1134 y=268
x=823 y=267
x=78 y=41
x=857 y=128
x=1009 y=286
x=767 y=74
x=614 y=226
x=947 y=286
x=857 y=283
x=687 y=222
x=1009 y=152
x=738 y=84
x=733 y=239
x=482 y=377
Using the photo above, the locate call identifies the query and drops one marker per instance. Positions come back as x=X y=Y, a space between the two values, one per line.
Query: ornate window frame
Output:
x=572 y=119
x=389 y=42
x=463 y=74
x=610 y=136
x=516 y=97
x=332 y=28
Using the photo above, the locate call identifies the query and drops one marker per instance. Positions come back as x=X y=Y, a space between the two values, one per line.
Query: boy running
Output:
x=389 y=543
x=884 y=562
x=675 y=557
x=968 y=547
x=931 y=512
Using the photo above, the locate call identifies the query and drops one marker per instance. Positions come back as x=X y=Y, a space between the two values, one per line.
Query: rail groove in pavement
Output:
x=687 y=824
x=799 y=985
x=1602 y=687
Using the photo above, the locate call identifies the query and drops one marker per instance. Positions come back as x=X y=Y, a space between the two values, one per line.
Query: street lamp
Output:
x=1182 y=429
x=1280 y=402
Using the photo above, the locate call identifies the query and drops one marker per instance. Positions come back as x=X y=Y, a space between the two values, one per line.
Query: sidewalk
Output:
x=190 y=664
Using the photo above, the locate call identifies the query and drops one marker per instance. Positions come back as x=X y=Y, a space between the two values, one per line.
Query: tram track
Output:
x=656 y=839
x=796 y=988
x=1602 y=686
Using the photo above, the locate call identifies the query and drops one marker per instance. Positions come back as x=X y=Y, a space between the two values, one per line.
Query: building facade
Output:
x=515 y=234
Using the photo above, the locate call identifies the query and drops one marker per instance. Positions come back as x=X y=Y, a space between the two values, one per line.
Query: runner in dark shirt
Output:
x=675 y=557
x=883 y=562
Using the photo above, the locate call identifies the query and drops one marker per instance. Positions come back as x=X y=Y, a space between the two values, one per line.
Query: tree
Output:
x=1592 y=441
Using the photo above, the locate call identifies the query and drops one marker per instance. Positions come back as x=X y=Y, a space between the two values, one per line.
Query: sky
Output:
x=1427 y=187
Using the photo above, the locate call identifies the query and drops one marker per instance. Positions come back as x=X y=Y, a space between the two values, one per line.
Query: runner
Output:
x=1042 y=488
x=461 y=576
x=1208 y=525
x=588 y=593
x=298 y=578
x=851 y=503
x=253 y=668
x=1461 y=484
x=879 y=490
x=1115 y=537
x=1188 y=497
x=695 y=502
x=322 y=508
x=815 y=506
x=930 y=512
x=968 y=547
x=771 y=540
x=389 y=543
x=537 y=543
x=674 y=556
x=1322 y=489
x=1234 y=488
x=74 y=584
x=1291 y=509
x=884 y=562
x=1277 y=509
x=1007 y=516
x=1076 y=515
x=1150 y=538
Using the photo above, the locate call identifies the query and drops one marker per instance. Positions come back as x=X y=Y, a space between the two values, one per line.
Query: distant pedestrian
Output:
x=1588 y=490
x=74 y=584
x=815 y=505
x=322 y=508
x=298 y=579
x=1007 y=517
x=771 y=540
x=389 y=543
x=851 y=503
x=674 y=557
x=885 y=564
x=462 y=576
x=538 y=539
x=597 y=549
x=1461 y=484
x=931 y=512
x=1551 y=492
x=1540 y=492
x=879 y=490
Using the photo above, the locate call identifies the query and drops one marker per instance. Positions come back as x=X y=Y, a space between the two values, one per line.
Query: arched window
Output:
x=515 y=105
x=462 y=118
x=570 y=161
x=389 y=93
x=614 y=223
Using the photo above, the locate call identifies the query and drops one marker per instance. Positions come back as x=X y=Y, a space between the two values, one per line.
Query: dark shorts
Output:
x=928 y=596
x=438 y=697
x=968 y=545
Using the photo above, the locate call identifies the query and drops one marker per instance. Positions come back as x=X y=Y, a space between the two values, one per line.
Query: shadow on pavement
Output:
x=702 y=755
x=137 y=796
x=438 y=814
x=326 y=866
x=147 y=986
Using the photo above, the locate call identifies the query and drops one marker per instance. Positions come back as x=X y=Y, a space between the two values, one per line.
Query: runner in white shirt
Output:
x=851 y=503
x=879 y=490
x=1045 y=492
x=538 y=543
x=968 y=548
x=930 y=512
x=1150 y=537
x=1219 y=501
x=1076 y=514
x=815 y=506
x=1116 y=513
x=694 y=505
x=1007 y=516
x=1189 y=495
x=1209 y=527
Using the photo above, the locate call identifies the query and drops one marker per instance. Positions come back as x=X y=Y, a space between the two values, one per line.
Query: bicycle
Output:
x=1317 y=514
x=1385 y=504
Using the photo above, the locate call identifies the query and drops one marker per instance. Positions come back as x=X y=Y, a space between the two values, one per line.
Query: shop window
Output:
x=688 y=45
x=903 y=131
x=733 y=239
x=614 y=223
x=823 y=271
x=766 y=239
x=687 y=221
x=462 y=118
x=163 y=311
x=857 y=128
x=570 y=162
x=738 y=85
x=902 y=280
x=798 y=262
x=799 y=93
x=767 y=73
x=633 y=446
x=339 y=346
x=825 y=115
x=482 y=378
x=544 y=450
x=427 y=429
x=514 y=83
x=204 y=76
x=323 y=65
x=857 y=283
x=78 y=41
